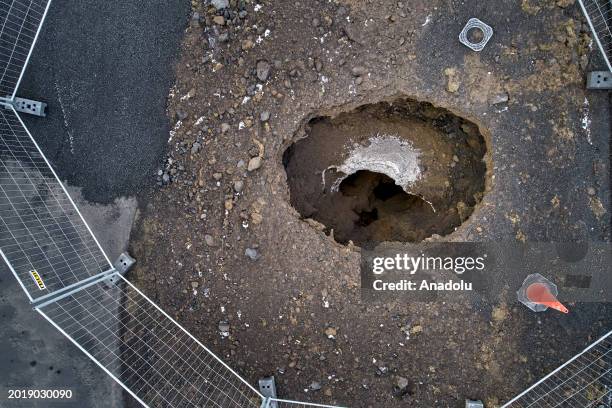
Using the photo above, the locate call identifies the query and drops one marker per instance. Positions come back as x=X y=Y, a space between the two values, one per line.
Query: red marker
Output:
x=540 y=293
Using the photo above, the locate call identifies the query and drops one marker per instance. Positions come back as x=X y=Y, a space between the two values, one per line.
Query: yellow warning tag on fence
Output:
x=38 y=280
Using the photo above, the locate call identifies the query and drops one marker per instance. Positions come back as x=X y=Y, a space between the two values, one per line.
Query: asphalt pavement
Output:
x=105 y=69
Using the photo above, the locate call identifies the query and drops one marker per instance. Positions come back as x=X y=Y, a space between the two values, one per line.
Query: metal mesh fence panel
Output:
x=583 y=381
x=146 y=351
x=20 y=22
x=599 y=16
x=281 y=403
x=43 y=237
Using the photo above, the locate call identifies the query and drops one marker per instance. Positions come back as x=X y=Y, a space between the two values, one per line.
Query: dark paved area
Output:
x=105 y=69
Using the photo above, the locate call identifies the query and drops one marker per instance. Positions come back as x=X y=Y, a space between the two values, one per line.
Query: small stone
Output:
x=315 y=386
x=591 y=191
x=195 y=147
x=225 y=127
x=210 y=241
x=400 y=386
x=264 y=116
x=223 y=37
x=252 y=254
x=220 y=4
x=217 y=176
x=318 y=66
x=238 y=186
x=247 y=44
x=181 y=114
x=452 y=81
x=219 y=20
x=316 y=22
x=166 y=178
x=417 y=328
x=358 y=71
x=597 y=207
x=499 y=313
x=254 y=163
x=263 y=70
x=195 y=284
x=331 y=332
x=499 y=98
x=256 y=218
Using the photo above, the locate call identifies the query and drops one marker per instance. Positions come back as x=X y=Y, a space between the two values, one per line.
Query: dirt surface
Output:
x=220 y=240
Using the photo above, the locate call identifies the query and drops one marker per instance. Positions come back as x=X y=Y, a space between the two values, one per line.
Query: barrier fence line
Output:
x=43 y=236
x=147 y=352
x=583 y=381
x=599 y=16
x=64 y=271
x=20 y=25
x=282 y=403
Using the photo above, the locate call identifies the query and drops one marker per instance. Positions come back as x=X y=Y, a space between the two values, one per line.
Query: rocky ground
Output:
x=219 y=242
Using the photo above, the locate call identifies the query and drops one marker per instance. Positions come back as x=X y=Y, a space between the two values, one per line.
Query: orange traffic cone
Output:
x=540 y=293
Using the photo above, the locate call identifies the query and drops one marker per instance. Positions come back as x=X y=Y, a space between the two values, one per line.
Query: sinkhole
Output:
x=399 y=170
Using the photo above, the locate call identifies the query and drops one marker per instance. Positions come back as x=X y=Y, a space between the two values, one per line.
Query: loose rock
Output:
x=210 y=241
x=263 y=70
x=331 y=332
x=238 y=186
x=254 y=163
x=499 y=98
x=452 y=81
x=264 y=116
x=252 y=254
x=220 y=4
x=358 y=71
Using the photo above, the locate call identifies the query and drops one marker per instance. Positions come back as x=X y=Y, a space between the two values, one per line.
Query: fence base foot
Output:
x=267 y=387
x=599 y=80
x=124 y=263
x=29 y=106
x=121 y=266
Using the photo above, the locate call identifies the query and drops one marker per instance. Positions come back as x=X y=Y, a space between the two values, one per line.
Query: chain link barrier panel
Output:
x=63 y=270
x=20 y=24
x=281 y=403
x=144 y=349
x=583 y=381
x=599 y=16
x=65 y=273
x=43 y=237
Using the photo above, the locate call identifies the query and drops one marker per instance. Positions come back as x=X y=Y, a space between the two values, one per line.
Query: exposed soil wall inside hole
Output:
x=390 y=171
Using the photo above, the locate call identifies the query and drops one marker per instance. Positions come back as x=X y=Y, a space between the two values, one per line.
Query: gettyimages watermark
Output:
x=441 y=271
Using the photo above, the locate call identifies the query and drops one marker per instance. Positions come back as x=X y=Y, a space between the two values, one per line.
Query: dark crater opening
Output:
x=380 y=209
x=391 y=171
